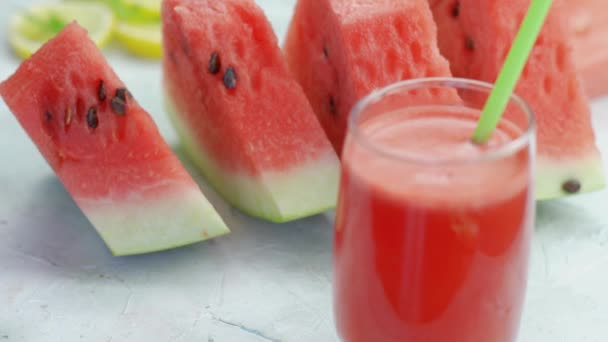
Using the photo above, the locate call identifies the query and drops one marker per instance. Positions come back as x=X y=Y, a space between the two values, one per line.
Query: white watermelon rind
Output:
x=552 y=174
x=303 y=191
x=137 y=225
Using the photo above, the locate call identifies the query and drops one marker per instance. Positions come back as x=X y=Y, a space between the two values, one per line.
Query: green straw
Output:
x=511 y=70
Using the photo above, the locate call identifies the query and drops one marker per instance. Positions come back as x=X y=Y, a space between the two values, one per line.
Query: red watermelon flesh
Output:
x=106 y=150
x=475 y=35
x=589 y=24
x=242 y=117
x=340 y=51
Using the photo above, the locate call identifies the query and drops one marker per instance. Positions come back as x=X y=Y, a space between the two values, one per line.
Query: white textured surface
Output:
x=262 y=283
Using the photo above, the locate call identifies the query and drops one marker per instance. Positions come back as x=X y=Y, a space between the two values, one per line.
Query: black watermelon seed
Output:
x=469 y=43
x=230 y=78
x=215 y=64
x=101 y=91
x=118 y=106
x=48 y=116
x=173 y=58
x=571 y=186
x=325 y=51
x=332 y=106
x=456 y=9
x=92 y=119
x=122 y=94
x=183 y=41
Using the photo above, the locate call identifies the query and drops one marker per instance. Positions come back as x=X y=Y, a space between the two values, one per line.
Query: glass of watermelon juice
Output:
x=432 y=231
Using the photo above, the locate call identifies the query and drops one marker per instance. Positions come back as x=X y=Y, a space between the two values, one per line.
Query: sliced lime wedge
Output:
x=141 y=39
x=146 y=7
x=30 y=29
x=136 y=10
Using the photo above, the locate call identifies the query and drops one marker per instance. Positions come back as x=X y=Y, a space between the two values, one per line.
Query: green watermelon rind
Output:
x=550 y=175
x=278 y=197
x=139 y=225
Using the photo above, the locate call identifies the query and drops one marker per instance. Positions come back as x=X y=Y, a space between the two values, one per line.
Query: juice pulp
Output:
x=429 y=248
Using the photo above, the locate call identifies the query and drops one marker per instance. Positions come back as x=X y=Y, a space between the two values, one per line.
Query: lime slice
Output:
x=148 y=8
x=141 y=39
x=32 y=28
x=136 y=10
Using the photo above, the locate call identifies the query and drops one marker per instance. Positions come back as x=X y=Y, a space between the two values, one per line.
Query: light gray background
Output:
x=262 y=283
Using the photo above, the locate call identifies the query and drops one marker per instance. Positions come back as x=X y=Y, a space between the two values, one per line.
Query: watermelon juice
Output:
x=432 y=231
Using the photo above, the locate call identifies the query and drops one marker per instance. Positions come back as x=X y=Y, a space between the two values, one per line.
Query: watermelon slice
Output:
x=589 y=24
x=241 y=115
x=106 y=150
x=342 y=50
x=475 y=35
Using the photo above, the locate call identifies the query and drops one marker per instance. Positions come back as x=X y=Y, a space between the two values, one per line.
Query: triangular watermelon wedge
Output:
x=475 y=36
x=341 y=50
x=241 y=115
x=106 y=149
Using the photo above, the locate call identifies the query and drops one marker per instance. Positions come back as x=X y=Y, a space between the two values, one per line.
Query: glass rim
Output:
x=505 y=150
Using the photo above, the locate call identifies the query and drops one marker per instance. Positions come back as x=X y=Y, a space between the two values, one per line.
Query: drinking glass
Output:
x=432 y=233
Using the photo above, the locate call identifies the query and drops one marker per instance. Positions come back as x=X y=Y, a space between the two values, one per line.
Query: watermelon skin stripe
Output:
x=177 y=218
x=550 y=172
x=278 y=197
